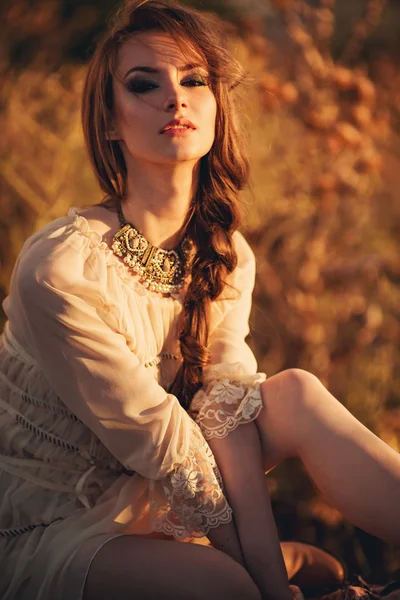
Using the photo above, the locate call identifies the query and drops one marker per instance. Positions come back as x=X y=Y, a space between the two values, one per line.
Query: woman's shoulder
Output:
x=98 y=220
x=64 y=250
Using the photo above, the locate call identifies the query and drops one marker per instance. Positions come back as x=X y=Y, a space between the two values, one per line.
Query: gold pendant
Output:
x=160 y=270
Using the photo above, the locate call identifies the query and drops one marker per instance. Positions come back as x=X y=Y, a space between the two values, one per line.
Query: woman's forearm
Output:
x=225 y=538
x=239 y=459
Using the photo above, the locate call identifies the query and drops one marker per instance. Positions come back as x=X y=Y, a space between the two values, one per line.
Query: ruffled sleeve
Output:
x=59 y=293
x=231 y=391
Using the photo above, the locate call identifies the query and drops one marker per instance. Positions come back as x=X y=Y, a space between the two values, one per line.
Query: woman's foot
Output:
x=311 y=568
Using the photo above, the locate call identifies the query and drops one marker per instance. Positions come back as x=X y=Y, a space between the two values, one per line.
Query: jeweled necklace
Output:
x=160 y=270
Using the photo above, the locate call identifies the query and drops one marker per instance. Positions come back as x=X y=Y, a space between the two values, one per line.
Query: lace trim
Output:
x=224 y=405
x=54 y=408
x=45 y=435
x=57 y=410
x=190 y=500
x=48 y=437
x=26 y=528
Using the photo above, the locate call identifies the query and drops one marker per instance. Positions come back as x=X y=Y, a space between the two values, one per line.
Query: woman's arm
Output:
x=74 y=328
x=225 y=538
x=239 y=459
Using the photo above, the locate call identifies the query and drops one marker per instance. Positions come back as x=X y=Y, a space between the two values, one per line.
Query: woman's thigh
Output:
x=129 y=566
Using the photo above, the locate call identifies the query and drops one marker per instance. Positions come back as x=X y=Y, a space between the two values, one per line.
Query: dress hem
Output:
x=81 y=563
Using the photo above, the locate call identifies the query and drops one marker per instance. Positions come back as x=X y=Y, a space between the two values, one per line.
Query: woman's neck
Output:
x=158 y=200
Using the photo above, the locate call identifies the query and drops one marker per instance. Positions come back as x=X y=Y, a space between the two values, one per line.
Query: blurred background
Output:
x=322 y=105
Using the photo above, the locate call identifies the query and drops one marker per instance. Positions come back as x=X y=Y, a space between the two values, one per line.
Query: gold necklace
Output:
x=160 y=270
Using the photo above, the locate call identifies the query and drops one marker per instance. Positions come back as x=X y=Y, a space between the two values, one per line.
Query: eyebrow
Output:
x=144 y=69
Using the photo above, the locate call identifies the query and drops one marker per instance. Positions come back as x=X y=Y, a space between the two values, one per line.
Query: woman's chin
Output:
x=179 y=155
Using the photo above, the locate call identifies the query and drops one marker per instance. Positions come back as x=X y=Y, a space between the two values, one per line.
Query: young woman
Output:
x=131 y=407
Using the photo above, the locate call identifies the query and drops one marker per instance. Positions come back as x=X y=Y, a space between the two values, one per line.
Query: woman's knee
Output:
x=290 y=389
x=288 y=398
x=224 y=579
x=126 y=567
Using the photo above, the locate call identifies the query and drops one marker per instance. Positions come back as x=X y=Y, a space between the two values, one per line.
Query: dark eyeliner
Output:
x=199 y=80
x=140 y=86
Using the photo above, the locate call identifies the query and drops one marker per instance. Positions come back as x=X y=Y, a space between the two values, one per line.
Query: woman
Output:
x=130 y=402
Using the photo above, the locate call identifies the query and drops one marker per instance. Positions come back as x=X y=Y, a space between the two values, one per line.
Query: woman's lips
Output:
x=178 y=124
x=178 y=131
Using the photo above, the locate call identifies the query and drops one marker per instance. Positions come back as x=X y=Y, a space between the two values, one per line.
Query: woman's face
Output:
x=157 y=85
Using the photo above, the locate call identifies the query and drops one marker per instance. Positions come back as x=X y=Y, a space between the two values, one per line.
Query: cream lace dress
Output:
x=91 y=444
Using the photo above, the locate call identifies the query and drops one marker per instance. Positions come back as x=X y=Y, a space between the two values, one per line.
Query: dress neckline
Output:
x=123 y=271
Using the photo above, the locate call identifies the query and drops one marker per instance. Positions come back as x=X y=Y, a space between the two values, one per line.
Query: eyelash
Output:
x=142 y=86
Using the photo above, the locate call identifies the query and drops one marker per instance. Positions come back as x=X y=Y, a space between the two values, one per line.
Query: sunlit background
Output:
x=322 y=104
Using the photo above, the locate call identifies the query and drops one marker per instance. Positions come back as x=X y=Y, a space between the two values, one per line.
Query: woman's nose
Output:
x=175 y=100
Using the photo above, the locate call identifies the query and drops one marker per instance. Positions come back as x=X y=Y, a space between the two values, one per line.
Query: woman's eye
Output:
x=141 y=86
x=195 y=82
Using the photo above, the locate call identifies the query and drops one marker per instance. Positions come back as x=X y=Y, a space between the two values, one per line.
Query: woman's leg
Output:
x=131 y=566
x=357 y=471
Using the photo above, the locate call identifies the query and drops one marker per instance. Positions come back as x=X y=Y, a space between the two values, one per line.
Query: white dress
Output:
x=91 y=444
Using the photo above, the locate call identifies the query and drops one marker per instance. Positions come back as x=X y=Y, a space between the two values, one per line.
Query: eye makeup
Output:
x=141 y=85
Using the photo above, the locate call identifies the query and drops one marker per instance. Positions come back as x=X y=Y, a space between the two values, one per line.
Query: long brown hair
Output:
x=213 y=215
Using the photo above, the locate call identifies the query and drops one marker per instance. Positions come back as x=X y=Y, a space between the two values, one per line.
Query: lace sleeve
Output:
x=190 y=500
x=228 y=398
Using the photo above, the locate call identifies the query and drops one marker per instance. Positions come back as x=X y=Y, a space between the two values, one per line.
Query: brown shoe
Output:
x=311 y=568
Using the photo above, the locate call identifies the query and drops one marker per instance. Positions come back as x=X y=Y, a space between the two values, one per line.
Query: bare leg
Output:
x=357 y=471
x=130 y=567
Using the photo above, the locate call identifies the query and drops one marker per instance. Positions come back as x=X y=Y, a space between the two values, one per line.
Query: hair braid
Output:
x=215 y=218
